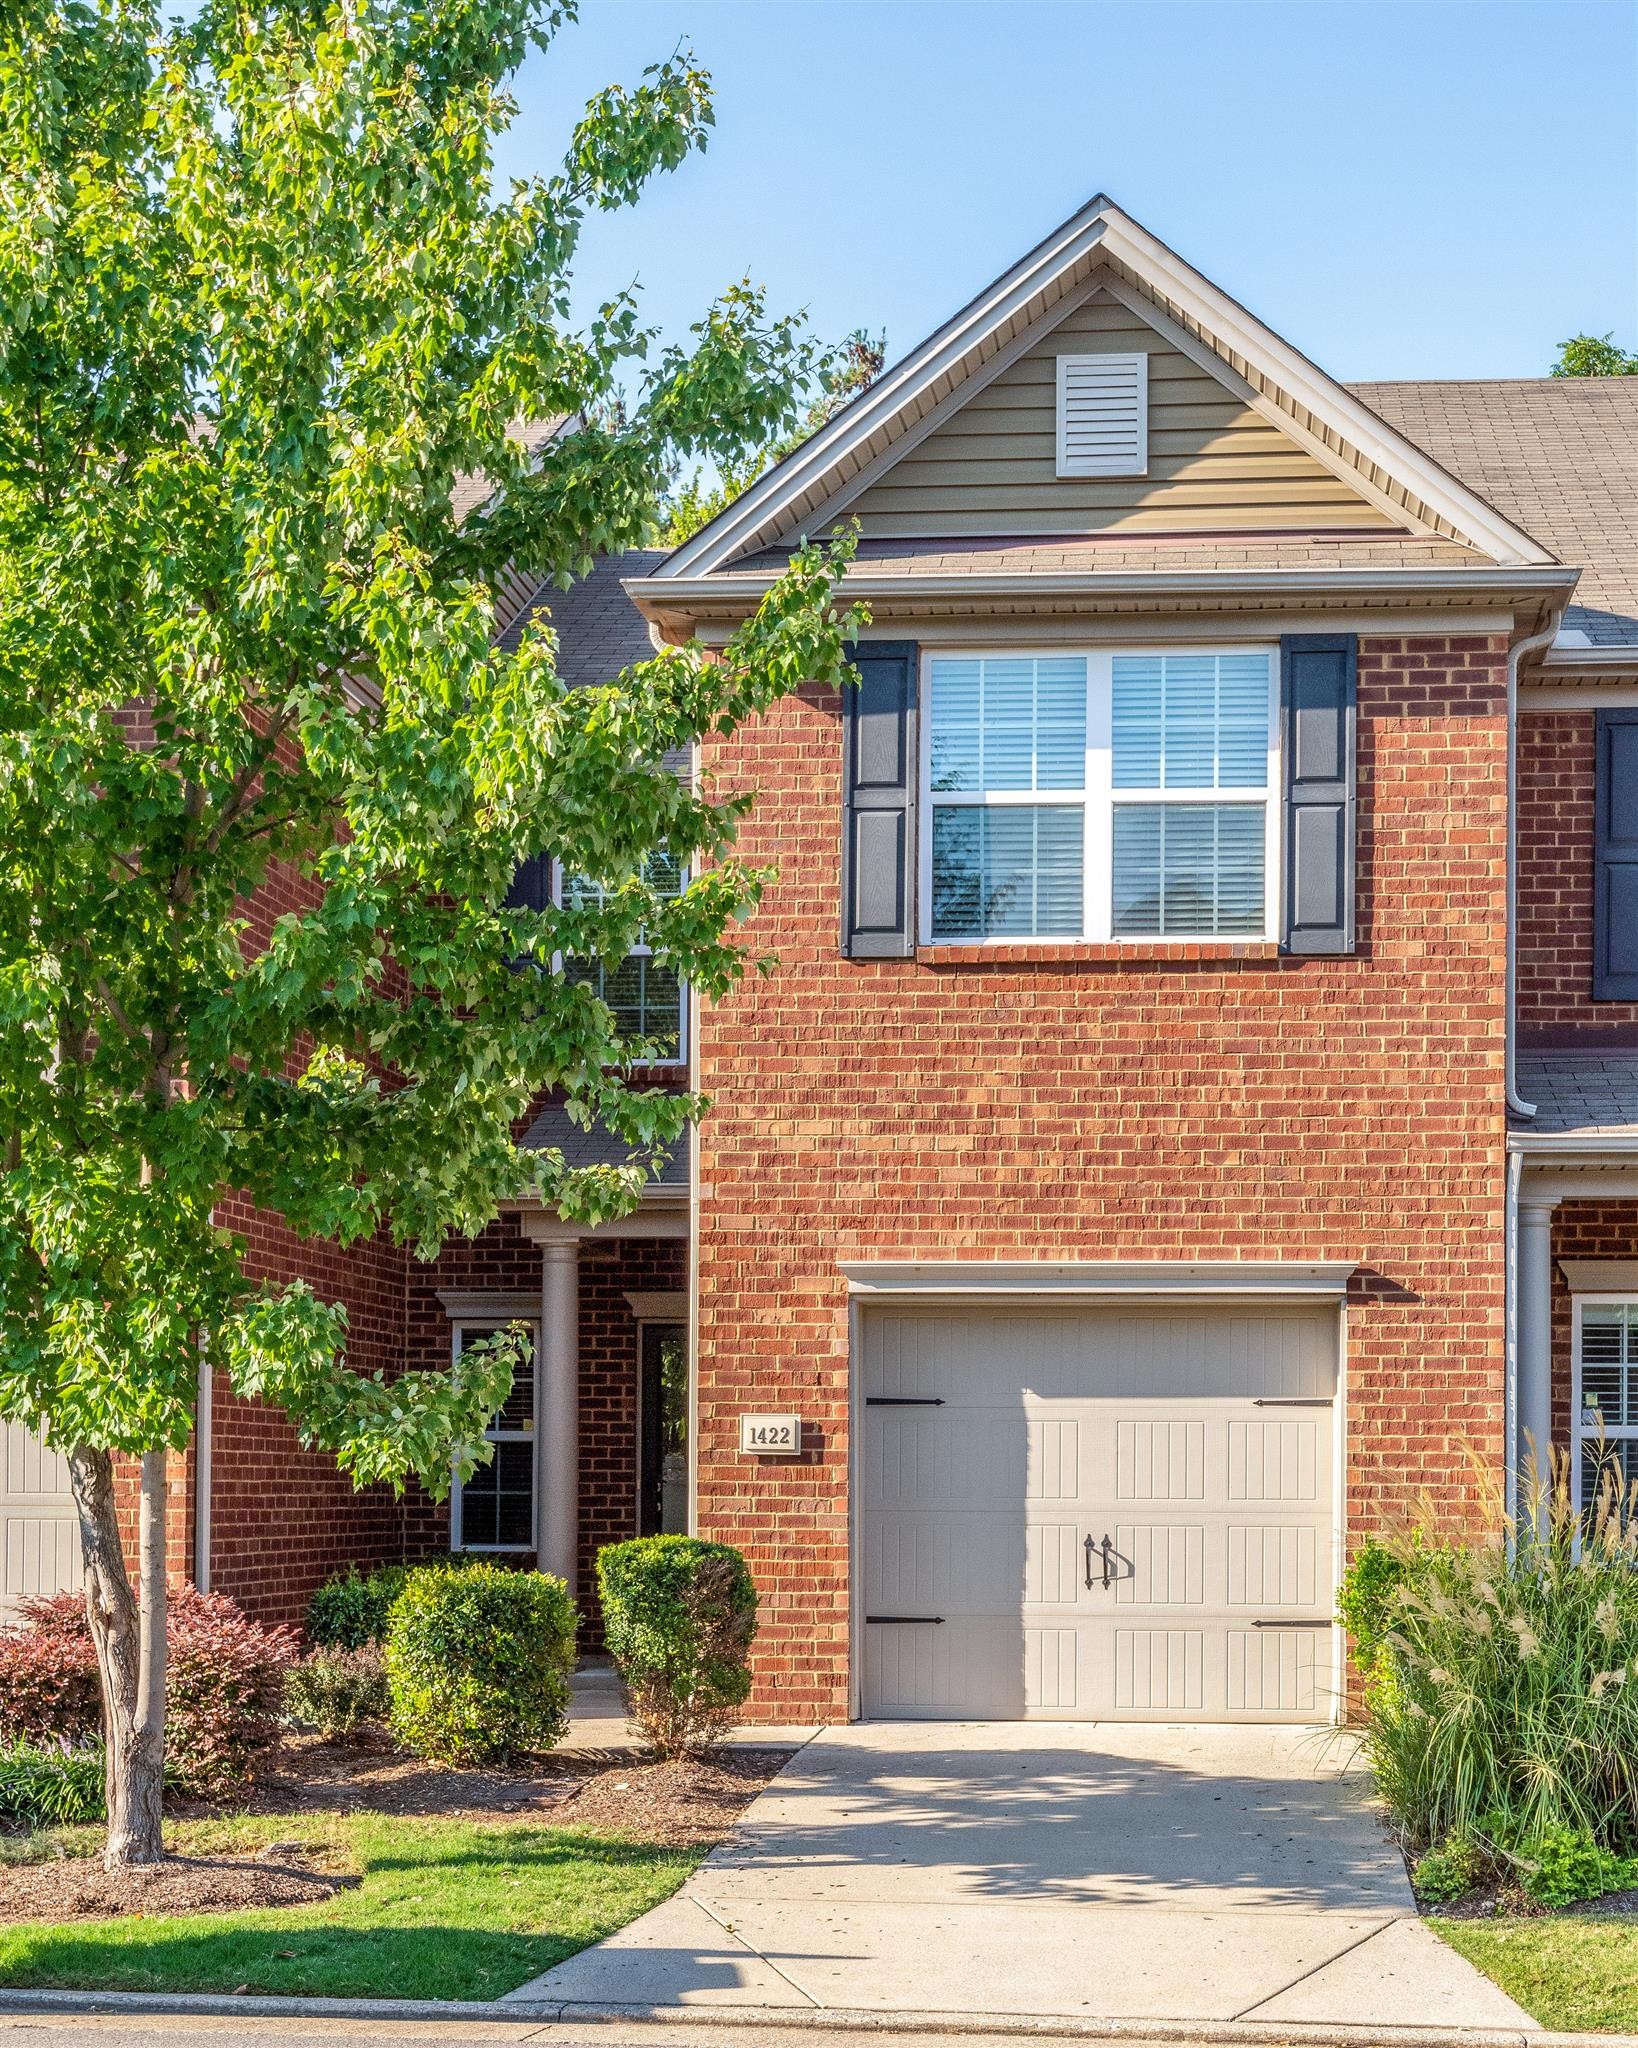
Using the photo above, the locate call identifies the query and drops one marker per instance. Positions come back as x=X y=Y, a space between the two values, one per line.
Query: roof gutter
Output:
x=658 y=597
x=1531 y=644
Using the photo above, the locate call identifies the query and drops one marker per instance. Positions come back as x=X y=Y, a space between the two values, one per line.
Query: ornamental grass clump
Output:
x=1501 y=1682
x=679 y=1616
x=478 y=1661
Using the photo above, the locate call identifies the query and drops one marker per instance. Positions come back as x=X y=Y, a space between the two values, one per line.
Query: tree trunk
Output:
x=130 y=1646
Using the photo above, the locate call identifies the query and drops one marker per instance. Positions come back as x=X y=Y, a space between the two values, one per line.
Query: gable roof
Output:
x=814 y=483
x=1557 y=454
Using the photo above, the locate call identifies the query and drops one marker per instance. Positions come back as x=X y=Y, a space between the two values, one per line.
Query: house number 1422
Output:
x=771 y=1436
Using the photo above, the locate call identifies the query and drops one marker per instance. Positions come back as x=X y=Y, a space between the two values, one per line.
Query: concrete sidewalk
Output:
x=1188 y=1874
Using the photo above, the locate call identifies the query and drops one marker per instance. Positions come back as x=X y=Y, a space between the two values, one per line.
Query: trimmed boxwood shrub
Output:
x=351 y=1609
x=224 y=1684
x=679 y=1616
x=478 y=1661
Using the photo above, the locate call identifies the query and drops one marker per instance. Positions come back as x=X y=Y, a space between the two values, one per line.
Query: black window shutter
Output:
x=532 y=884
x=1318 y=696
x=1615 y=860
x=879 y=770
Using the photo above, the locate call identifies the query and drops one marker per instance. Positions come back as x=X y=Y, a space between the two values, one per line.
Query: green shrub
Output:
x=1562 y=1865
x=679 y=1616
x=351 y=1610
x=1503 y=1699
x=1450 y=1871
x=51 y=1785
x=478 y=1661
x=336 y=1689
x=1369 y=1594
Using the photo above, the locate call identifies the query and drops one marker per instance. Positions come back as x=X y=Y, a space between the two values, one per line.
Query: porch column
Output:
x=1535 y=1336
x=557 y=1411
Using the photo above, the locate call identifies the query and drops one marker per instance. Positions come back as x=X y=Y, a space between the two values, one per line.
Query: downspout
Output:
x=202 y=1432
x=1515 y=656
x=1516 y=1104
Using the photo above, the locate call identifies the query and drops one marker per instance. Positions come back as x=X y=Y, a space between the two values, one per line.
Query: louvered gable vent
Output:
x=1103 y=415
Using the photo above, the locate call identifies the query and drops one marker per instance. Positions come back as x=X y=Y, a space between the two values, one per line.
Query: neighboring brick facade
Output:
x=1097 y=1104
x=1555 y=902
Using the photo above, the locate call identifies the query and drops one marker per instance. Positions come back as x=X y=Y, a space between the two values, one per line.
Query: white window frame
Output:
x=1097 y=800
x=492 y=1321
x=684 y=1007
x=1579 y=1433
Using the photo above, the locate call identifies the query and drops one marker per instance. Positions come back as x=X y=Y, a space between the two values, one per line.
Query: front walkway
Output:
x=1196 y=1873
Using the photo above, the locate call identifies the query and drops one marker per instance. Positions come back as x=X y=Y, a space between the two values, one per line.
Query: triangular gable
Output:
x=1100 y=268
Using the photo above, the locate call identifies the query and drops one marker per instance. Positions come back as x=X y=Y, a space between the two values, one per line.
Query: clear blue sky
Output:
x=1400 y=187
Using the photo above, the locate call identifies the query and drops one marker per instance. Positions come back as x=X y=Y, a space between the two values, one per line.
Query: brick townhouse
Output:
x=1195 y=1117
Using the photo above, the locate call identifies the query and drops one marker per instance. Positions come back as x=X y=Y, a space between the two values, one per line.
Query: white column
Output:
x=557 y=1411
x=1535 y=1337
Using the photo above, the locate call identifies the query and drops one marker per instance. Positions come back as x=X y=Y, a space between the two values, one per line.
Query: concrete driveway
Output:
x=1186 y=1873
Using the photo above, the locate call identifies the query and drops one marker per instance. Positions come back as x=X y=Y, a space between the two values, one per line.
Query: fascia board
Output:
x=1230 y=324
x=654 y=596
x=716 y=542
x=1591 y=661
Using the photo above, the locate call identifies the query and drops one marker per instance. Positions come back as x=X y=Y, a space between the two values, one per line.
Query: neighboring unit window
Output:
x=495 y=1508
x=647 y=996
x=1103 y=415
x=1100 y=796
x=1606 y=1400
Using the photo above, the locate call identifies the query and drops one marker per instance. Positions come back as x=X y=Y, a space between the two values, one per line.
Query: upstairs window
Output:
x=648 y=997
x=1097 y=796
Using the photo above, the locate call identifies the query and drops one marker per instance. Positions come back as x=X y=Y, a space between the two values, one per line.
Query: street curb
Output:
x=1029 y=2026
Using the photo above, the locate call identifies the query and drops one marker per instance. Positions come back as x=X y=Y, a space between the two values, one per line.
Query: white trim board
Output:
x=1601 y=1276
x=1101 y=1279
x=473 y=1305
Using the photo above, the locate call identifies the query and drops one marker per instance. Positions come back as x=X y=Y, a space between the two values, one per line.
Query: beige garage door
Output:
x=1099 y=1514
x=39 y=1533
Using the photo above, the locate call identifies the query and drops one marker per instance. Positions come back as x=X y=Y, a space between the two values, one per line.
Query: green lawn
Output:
x=1572 y=1971
x=446 y=1909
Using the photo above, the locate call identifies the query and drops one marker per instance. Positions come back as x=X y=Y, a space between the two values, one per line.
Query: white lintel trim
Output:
x=464 y=1305
x=1108 y=1279
x=1600 y=1276
x=659 y=1308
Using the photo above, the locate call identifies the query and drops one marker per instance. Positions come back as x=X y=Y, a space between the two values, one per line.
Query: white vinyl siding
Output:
x=1103 y=415
x=1100 y=796
x=1605 y=1422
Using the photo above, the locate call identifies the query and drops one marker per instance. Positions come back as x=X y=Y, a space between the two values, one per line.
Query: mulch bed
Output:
x=78 y=1888
x=1512 y=1902
x=675 y=1805
x=679 y=1804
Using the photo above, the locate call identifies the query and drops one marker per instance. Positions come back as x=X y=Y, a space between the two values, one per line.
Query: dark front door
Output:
x=662 y=1508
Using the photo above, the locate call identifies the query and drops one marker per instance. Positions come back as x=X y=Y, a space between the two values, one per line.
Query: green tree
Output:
x=844 y=371
x=262 y=314
x=1593 y=355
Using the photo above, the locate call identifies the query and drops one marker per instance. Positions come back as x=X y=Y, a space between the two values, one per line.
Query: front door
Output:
x=662 y=1437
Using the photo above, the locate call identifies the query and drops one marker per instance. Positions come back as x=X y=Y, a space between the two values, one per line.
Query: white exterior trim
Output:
x=1094 y=1279
x=1612 y=1277
x=483 y=1319
x=660 y=1308
x=463 y=1305
x=1099 y=234
x=1618 y=1295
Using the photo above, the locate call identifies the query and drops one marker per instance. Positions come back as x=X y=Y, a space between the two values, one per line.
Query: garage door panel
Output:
x=39 y=1529
x=992 y=1508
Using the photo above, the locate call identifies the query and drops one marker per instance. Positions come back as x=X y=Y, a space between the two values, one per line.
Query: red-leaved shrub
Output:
x=225 y=1683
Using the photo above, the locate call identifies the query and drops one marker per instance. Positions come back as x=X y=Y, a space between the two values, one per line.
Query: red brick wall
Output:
x=1112 y=1106
x=283 y=1518
x=1555 y=947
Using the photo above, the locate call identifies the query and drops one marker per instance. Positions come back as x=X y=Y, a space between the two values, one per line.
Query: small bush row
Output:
x=465 y=1660
x=1501 y=1686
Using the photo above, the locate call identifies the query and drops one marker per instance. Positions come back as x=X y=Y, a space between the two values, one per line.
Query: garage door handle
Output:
x=1292 y=1401
x=1092 y=1550
x=900 y=1620
x=1277 y=1623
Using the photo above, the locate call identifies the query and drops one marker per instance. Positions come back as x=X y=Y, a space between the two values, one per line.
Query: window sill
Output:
x=1108 y=953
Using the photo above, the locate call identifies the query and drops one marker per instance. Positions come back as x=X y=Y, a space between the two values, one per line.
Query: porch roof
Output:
x=1580 y=1095
x=552 y=1131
